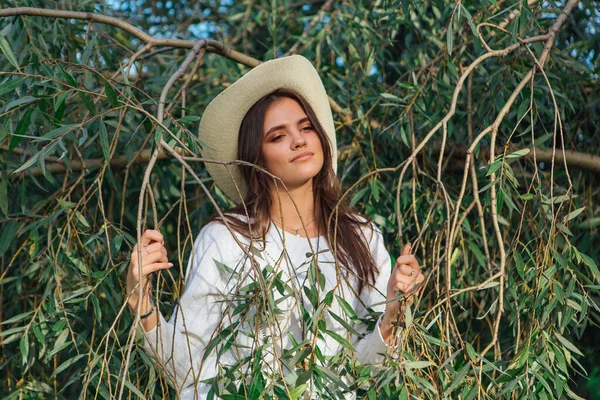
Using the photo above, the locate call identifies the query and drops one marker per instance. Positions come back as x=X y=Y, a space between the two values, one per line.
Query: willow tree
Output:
x=469 y=129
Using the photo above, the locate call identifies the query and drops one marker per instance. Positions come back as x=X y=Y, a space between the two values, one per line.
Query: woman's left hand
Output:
x=405 y=276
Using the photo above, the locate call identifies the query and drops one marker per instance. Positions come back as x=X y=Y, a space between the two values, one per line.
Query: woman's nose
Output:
x=298 y=140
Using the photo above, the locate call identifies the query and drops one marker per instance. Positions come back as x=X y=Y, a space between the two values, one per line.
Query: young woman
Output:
x=278 y=273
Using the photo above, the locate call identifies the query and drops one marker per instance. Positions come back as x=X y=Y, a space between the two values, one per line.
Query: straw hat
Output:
x=222 y=118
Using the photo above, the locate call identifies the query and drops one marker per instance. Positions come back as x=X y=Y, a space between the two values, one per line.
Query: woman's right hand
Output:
x=154 y=257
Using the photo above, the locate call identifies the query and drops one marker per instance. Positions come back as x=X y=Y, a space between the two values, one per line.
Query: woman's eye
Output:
x=308 y=127
x=276 y=138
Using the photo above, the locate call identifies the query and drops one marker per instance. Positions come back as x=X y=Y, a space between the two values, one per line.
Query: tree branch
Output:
x=213 y=46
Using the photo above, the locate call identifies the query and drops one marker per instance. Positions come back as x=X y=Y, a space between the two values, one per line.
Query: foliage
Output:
x=510 y=245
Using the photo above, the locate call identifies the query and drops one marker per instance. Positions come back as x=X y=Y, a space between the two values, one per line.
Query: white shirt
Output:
x=218 y=268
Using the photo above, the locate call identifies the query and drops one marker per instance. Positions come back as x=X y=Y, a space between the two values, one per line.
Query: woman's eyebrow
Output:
x=301 y=121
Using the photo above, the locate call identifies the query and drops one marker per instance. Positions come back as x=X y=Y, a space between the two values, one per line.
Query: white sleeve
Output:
x=179 y=344
x=370 y=349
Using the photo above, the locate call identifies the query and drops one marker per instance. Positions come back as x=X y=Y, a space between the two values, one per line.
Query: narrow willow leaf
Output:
x=4 y=196
x=564 y=229
x=18 y=102
x=88 y=102
x=346 y=325
x=11 y=331
x=589 y=262
x=348 y=310
x=458 y=378
x=341 y=340
x=389 y=96
x=17 y=318
x=449 y=38
x=418 y=364
x=104 y=141
x=519 y=153
x=11 y=85
x=22 y=128
x=494 y=167
x=568 y=344
x=573 y=214
x=298 y=391
x=135 y=390
x=24 y=348
x=471 y=351
x=9 y=229
x=58 y=132
x=469 y=18
x=110 y=91
x=8 y=52
x=67 y=364
x=520 y=264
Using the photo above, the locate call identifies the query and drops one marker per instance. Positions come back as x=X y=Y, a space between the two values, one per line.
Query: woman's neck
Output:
x=295 y=208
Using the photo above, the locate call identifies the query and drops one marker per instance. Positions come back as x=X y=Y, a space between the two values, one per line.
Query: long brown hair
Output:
x=351 y=247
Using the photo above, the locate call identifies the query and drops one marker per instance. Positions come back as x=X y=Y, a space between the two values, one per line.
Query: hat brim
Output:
x=221 y=121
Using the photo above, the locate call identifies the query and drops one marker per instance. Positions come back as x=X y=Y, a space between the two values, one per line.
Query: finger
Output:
x=154 y=257
x=407 y=259
x=154 y=247
x=151 y=235
x=405 y=287
x=406 y=250
x=407 y=270
x=402 y=287
x=148 y=269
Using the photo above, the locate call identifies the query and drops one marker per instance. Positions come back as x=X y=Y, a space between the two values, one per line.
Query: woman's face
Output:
x=291 y=147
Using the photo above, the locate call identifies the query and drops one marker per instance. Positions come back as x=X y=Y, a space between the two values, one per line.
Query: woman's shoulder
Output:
x=221 y=231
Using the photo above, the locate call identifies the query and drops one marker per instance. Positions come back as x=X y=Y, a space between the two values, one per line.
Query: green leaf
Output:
x=418 y=364
x=135 y=390
x=389 y=96
x=88 y=102
x=469 y=18
x=341 y=340
x=471 y=351
x=104 y=141
x=527 y=196
x=7 y=236
x=67 y=364
x=22 y=128
x=110 y=91
x=24 y=348
x=298 y=391
x=586 y=259
x=348 y=310
x=9 y=86
x=458 y=378
x=4 y=196
x=8 y=53
x=568 y=344
x=573 y=214
x=17 y=318
x=518 y=153
x=449 y=38
x=18 y=102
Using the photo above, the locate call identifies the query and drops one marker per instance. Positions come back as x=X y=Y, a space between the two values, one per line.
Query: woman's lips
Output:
x=303 y=156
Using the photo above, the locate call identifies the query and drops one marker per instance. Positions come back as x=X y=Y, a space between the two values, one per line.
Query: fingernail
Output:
x=170 y=264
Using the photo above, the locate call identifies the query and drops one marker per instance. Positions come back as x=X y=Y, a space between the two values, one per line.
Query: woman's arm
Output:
x=381 y=297
x=179 y=345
